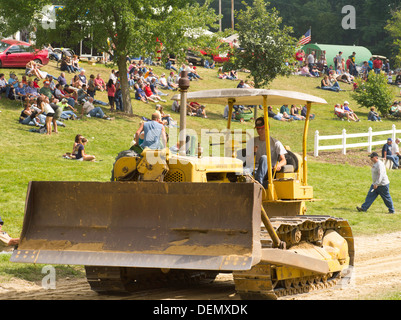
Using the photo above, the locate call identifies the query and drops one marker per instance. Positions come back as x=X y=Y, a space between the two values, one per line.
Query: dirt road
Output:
x=377 y=272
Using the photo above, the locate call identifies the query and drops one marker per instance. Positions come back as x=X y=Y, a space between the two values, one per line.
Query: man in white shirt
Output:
x=259 y=158
x=380 y=186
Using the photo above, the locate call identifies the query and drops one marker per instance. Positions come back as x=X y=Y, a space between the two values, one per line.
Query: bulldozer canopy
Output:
x=243 y=96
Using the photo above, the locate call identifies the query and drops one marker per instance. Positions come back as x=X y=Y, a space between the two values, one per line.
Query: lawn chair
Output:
x=340 y=115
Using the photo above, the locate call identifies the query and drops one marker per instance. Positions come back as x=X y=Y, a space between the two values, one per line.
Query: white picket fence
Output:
x=344 y=137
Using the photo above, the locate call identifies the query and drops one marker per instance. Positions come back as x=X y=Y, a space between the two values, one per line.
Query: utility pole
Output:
x=220 y=28
x=232 y=14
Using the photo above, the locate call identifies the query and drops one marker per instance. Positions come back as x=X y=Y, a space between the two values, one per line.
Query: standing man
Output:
x=259 y=159
x=380 y=186
x=388 y=153
x=352 y=64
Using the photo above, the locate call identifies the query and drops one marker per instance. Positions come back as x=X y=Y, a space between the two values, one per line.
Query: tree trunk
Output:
x=122 y=69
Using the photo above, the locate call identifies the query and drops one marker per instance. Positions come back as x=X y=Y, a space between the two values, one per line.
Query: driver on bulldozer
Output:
x=256 y=148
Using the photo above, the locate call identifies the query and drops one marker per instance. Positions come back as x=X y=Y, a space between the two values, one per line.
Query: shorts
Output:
x=50 y=115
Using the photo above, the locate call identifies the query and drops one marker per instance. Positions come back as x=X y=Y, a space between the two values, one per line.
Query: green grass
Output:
x=28 y=156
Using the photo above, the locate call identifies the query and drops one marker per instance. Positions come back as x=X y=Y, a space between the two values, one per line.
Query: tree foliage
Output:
x=267 y=46
x=374 y=92
x=119 y=27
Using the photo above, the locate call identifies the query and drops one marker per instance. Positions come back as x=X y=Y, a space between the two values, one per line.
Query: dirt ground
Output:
x=377 y=272
x=358 y=158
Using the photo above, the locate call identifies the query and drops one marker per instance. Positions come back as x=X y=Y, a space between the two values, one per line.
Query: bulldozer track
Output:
x=261 y=282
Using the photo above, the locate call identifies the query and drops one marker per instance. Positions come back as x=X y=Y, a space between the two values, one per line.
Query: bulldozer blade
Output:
x=206 y=226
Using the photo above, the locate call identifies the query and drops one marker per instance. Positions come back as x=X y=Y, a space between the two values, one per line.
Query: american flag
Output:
x=306 y=38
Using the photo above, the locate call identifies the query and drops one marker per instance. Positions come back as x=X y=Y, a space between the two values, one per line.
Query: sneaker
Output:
x=391 y=212
x=360 y=209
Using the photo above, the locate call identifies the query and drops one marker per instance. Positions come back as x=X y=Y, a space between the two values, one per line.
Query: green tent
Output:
x=331 y=50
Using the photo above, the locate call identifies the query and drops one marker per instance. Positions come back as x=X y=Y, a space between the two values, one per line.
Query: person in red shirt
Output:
x=377 y=65
x=150 y=95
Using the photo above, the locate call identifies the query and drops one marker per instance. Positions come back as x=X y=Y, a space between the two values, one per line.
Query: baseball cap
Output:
x=389 y=139
x=1 y=221
x=46 y=82
x=260 y=122
x=373 y=154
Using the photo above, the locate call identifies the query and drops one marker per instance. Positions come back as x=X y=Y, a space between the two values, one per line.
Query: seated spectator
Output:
x=373 y=115
x=28 y=116
x=201 y=111
x=11 y=86
x=7 y=243
x=387 y=153
x=100 y=85
x=175 y=106
x=20 y=92
x=36 y=83
x=395 y=109
x=3 y=84
x=352 y=113
x=81 y=155
x=91 y=111
x=68 y=111
x=172 y=80
x=76 y=82
x=304 y=112
x=61 y=94
x=140 y=94
x=61 y=79
x=32 y=69
x=305 y=71
x=326 y=84
x=278 y=117
x=91 y=87
x=295 y=113
x=164 y=84
x=82 y=77
x=153 y=86
x=73 y=154
x=75 y=63
x=45 y=90
x=150 y=95
x=315 y=72
x=192 y=73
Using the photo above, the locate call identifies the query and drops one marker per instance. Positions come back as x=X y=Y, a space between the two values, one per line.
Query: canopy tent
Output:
x=331 y=50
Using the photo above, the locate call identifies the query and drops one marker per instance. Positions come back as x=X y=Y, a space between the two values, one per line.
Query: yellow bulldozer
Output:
x=175 y=217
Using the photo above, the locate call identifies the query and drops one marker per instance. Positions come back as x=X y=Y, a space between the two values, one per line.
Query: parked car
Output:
x=199 y=58
x=14 y=53
x=194 y=58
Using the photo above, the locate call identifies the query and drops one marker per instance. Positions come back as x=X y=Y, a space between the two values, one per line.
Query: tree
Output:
x=267 y=48
x=123 y=27
x=375 y=92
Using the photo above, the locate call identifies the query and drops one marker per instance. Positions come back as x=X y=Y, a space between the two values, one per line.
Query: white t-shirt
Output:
x=276 y=148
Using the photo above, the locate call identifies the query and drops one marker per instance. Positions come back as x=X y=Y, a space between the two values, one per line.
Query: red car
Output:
x=14 y=53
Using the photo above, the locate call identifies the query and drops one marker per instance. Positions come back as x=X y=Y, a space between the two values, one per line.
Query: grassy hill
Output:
x=28 y=156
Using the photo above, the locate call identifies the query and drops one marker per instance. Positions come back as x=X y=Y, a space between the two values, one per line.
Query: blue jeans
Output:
x=395 y=160
x=384 y=192
x=67 y=114
x=262 y=170
x=97 y=112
